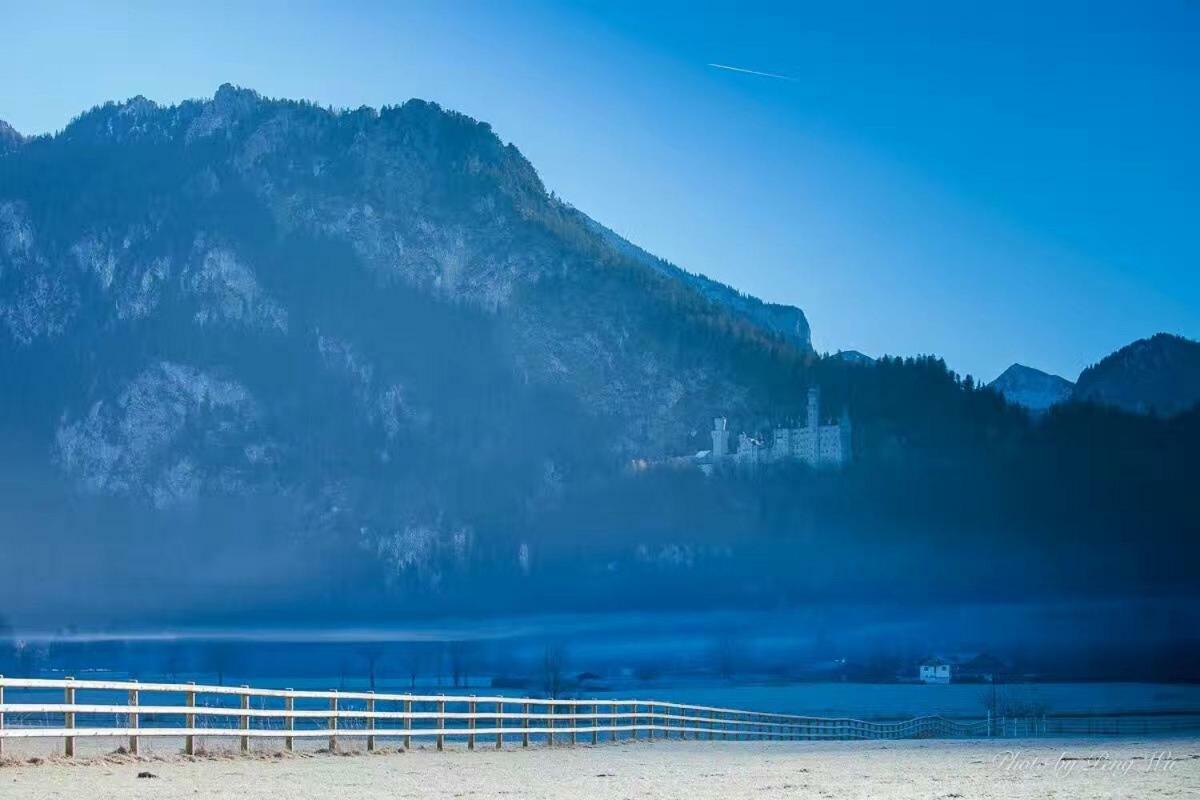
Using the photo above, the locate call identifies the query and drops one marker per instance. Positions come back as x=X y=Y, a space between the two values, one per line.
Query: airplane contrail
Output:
x=753 y=72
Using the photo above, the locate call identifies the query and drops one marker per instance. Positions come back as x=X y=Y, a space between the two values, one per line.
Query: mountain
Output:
x=853 y=357
x=9 y=138
x=380 y=316
x=1159 y=375
x=1032 y=388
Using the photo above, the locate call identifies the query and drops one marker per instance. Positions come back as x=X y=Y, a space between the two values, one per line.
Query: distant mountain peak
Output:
x=853 y=357
x=1156 y=375
x=1032 y=388
x=10 y=139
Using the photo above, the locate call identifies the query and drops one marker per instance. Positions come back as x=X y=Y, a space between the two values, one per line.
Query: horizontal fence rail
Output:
x=243 y=713
x=72 y=709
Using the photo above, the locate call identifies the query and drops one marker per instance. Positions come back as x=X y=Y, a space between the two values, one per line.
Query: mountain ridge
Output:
x=1156 y=375
x=787 y=321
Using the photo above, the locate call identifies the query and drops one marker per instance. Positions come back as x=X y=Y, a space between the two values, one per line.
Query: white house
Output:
x=935 y=670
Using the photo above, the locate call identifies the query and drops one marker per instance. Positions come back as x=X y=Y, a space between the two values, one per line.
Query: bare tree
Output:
x=372 y=653
x=461 y=656
x=414 y=662
x=221 y=657
x=554 y=666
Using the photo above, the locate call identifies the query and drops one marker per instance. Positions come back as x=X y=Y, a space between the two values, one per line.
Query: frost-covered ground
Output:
x=1009 y=769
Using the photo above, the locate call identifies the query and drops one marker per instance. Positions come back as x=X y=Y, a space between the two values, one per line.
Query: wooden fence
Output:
x=194 y=711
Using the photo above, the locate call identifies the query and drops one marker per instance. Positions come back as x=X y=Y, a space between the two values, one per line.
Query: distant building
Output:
x=813 y=443
x=935 y=670
x=720 y=439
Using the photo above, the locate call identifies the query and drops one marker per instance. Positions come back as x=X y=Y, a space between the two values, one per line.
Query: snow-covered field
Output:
x=1008 y=769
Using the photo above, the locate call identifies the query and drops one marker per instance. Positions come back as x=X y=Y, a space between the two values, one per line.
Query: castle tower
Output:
x=814 y=407
x=720 y=439
x=844 y=430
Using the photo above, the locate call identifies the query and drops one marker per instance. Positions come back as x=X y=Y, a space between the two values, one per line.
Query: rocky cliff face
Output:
x=380 y=314
x=9 y=138
x=1031 y=388
x=1159 y=375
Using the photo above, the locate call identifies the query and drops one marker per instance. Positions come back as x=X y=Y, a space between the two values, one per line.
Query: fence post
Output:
x=371 y=722
x=134 y=741
x=574 y=713
x=69 y=719
x=525 y=725
x=408 y=723
x=189 y=722
x=471 y=723
x=595 y=722
x=1 y=717
x=441 y=722
x=289 y=722
x=333 y=722
x=613 y=735
x=499 y=724
x=244 y=722
x=550 y=711
x=633 y=721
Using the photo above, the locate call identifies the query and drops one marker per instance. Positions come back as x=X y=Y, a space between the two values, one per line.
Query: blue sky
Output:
x=1013 y=182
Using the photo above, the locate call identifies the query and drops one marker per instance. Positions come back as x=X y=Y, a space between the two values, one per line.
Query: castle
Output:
x=815 y=444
